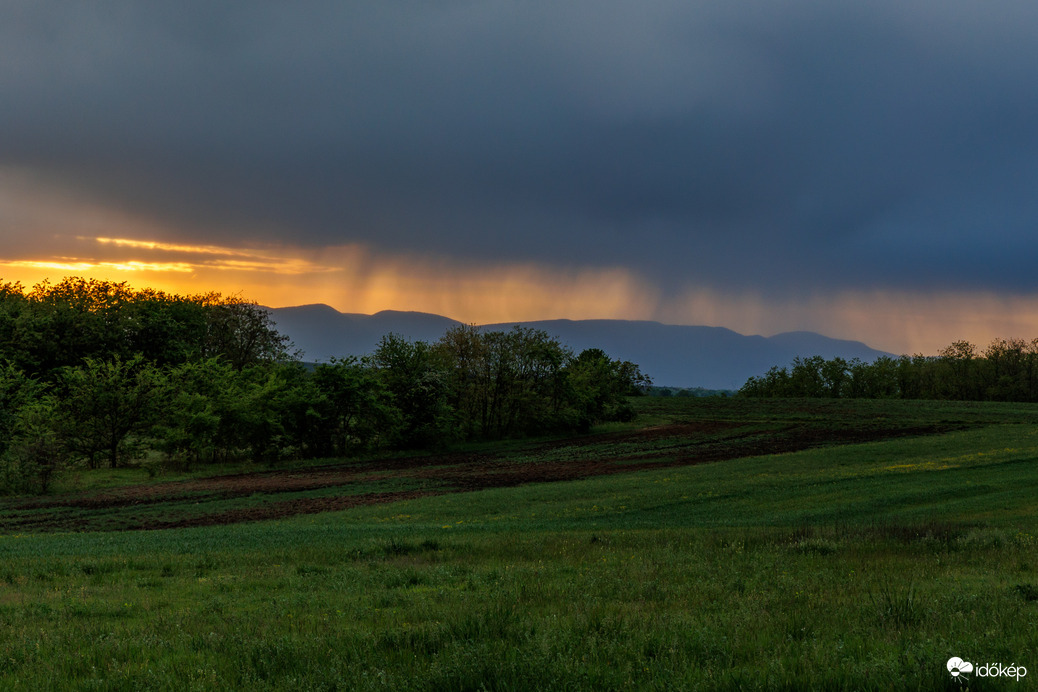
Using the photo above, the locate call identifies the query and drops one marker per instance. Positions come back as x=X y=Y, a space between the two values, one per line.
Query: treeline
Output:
x=688 y=392
x=54 y=326
x=98 y=374
x=1007 y=370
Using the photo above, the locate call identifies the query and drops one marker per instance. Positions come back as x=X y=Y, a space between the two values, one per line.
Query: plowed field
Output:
x=273 y=494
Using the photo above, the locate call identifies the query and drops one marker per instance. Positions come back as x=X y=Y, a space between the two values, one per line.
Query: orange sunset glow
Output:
x=355 y=279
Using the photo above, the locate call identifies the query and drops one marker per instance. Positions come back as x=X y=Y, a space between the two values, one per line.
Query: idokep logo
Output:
x=957 y=667
x=960 y=670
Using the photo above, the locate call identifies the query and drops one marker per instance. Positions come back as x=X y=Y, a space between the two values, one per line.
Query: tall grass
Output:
x=863 y=567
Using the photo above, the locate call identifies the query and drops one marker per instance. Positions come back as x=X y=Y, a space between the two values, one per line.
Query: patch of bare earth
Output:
x=681 y=444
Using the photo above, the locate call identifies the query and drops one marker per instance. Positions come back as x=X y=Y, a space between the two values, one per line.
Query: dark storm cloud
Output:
x=787 y=146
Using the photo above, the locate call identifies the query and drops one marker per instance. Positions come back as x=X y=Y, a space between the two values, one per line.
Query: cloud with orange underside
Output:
x=354 y=278
x=48 y=233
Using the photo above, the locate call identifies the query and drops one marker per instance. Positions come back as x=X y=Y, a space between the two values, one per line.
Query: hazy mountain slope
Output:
x=322 y=332
x=684 y=356
x=680 y=356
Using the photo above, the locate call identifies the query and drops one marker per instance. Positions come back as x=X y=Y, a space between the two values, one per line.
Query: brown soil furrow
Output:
x=280 y=510
x=458 y=472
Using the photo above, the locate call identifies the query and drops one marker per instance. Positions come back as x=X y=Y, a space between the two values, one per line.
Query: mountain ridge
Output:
x=672 y=355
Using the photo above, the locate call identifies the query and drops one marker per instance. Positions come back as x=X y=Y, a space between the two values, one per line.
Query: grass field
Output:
x=714 y=544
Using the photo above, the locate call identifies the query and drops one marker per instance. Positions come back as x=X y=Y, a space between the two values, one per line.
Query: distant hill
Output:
x=322 y=332
x=672 y=355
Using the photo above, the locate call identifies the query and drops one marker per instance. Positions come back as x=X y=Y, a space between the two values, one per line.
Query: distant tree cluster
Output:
x=1006 y=371
x=95 y=373
x=688 y=392
x=60 y=325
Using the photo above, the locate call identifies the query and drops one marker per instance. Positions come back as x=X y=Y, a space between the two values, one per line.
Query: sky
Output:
x=867 y=170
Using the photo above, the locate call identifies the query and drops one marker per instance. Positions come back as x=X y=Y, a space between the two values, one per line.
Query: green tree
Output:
x=30 y=452
x=35 y=456
x=168 y=330
x=875 y=380
x=600 y=387
x=252 y=419
x=1004 y=371
x=242 y=332
x=806 y=377
x=958 y=378
x=353 y=405
x=463 y=355
x=190 y=425
x=16 y=391
x=417 y=388
x=527 y=382
x=58 y=325
x=505 y=383
x=107 y=405
x=1030 y=370
x=14 y=309
x=774 y=383
x=835 y=374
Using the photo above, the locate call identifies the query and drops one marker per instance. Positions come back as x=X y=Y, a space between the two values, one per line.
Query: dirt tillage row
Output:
x=244 y=484
x=216 y=487
x=692 y=430
x=500 y=474
x=434 y=474
x=281 y=510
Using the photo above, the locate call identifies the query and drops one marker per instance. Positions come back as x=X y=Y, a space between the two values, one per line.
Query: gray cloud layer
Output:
x=795 y=146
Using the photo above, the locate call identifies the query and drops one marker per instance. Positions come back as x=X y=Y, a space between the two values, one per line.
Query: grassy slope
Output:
x=857 y=567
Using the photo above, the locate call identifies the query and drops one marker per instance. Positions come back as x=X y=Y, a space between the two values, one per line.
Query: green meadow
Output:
x=907 y=536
